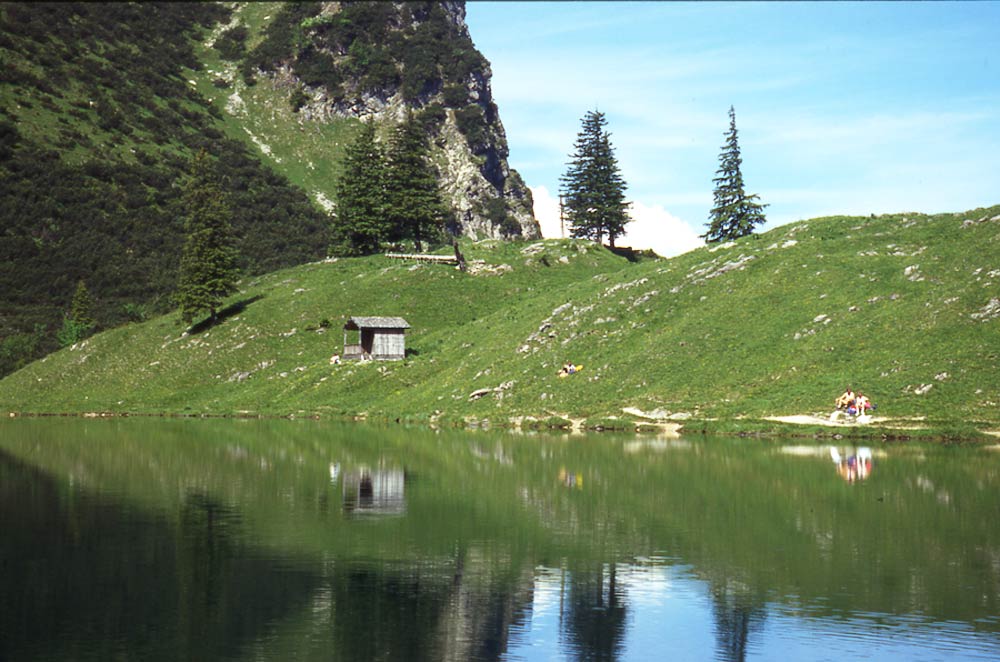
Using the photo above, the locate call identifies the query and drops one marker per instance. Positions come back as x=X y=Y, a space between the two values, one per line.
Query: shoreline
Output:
x=797 y=426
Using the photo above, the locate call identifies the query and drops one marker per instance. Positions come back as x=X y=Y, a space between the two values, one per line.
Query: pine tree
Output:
x=594 y=191
x=362 y=220
x=208 y=271
x=80 y=308
x=416 y=209
x=735 y=213
x=79 y=322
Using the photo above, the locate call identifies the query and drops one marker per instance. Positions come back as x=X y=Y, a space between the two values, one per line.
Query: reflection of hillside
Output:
x=482 y=607
x=787 y=526
x=909 y=538
x=446 y=610
x=84 y=576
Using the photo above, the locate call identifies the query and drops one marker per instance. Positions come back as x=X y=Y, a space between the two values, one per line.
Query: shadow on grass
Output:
x=223 y=315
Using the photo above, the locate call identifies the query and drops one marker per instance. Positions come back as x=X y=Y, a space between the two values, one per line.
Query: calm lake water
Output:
x=280 y=540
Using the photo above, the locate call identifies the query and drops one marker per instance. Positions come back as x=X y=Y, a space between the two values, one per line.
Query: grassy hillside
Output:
x=905 y=308
x=99 y=119
x=103 y=105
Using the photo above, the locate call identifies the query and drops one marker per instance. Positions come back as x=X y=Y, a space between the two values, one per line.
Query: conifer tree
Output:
x=80 y=308
x=594 y=190
x=79 y=323
x=208 y=271
x=362 y=220
x=734 y=214
x=416 y=208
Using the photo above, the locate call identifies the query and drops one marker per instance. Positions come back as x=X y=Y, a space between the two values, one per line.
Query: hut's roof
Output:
x=376 y=323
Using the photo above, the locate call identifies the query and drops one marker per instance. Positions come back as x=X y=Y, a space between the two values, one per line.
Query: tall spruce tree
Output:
x=208 y=271
x=362 y=220
x=593 y=188
x=81 y=308
x=79 y=323
x=734 y=214
x=416 y=207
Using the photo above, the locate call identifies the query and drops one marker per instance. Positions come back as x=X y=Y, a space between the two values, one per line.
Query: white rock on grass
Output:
x=987 y=312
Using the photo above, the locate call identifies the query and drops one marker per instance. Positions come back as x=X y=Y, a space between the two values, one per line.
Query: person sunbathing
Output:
x=845 y=400
x=862 y=404
x=569 y=369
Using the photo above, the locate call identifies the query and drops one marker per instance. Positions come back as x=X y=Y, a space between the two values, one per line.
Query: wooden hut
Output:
x=380 y=338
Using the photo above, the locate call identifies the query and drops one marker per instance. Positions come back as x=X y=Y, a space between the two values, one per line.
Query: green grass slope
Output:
x=99 y=120
x=905 y=308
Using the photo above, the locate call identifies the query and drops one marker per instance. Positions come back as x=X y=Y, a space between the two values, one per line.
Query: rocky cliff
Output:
x=339 y=61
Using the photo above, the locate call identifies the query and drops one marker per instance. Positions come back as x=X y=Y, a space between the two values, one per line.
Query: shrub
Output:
x=134 y=312
x=610 y=424
x=298 y=99
x=557 y=423
x=72 y=332
x=231 y=44
x=455 y=95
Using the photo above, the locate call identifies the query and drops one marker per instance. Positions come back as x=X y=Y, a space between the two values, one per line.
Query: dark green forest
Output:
x=377 y=36
x=97 y=128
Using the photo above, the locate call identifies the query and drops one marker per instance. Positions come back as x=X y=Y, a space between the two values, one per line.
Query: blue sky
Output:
x=841 y=107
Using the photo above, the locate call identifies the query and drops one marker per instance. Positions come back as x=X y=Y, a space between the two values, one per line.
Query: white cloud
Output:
x=546 y=212
x=655 y=227
x=652 y=226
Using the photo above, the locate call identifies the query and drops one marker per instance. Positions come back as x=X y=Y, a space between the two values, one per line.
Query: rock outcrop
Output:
x=383 y=60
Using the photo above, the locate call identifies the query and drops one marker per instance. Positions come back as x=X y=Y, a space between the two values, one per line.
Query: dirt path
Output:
x=812 y=419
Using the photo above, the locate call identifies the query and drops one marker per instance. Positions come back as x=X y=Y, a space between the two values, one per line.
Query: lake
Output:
x=165 y=539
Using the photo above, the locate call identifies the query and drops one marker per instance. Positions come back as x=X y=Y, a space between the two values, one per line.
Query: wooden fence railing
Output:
x=420 y=257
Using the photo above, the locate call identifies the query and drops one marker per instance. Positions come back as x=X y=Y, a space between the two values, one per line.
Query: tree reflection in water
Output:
x=594 y=617
x=738 y=612
x=202 y=541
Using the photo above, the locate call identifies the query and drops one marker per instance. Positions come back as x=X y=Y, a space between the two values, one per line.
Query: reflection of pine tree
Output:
x=595 y=615
x=737 y=614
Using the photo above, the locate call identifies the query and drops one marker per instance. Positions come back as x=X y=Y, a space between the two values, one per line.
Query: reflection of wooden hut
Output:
x=379 y=338
x=379 y=492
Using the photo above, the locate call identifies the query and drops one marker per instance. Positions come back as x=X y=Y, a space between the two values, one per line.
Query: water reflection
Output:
x=88 y=577
x=854 y=466
x=739 y=610
x=279 y=540
x=374 y=492
x=594 y=613
x=570 y=478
